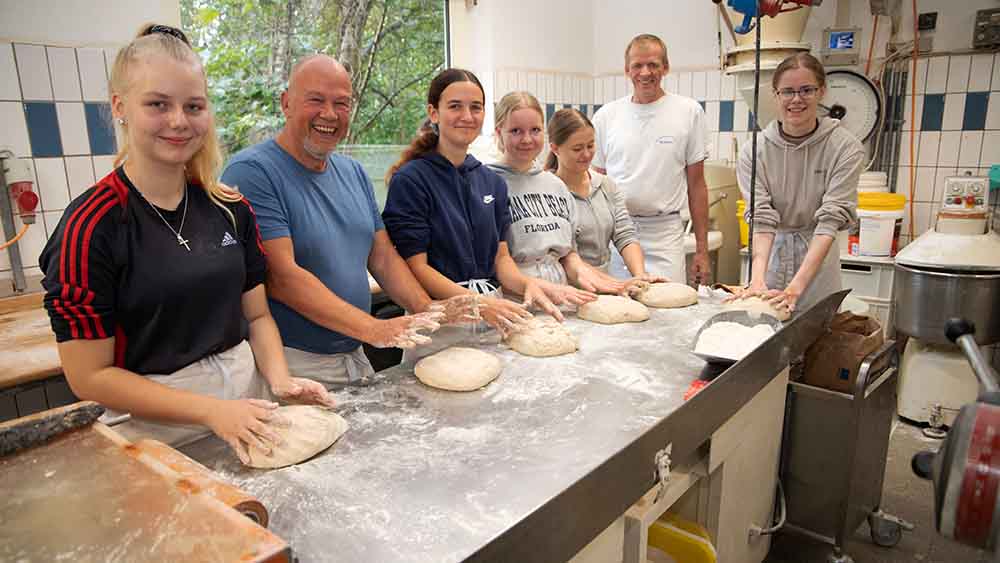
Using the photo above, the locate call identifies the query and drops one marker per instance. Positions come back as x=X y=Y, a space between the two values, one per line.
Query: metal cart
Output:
x=834 y=453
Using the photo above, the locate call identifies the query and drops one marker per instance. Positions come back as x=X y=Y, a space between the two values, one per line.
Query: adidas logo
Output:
x=228 y=240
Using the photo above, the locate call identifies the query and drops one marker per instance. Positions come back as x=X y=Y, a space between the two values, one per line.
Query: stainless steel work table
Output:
x=530 y=468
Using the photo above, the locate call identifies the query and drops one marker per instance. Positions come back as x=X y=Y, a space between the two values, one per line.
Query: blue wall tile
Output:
x=102 y=136
x=549 y=110
x=726 y=115
x=933 y=112
x=583 y=109
x=975 y=111
x=750 y=121
x=567 y=106
x=596 y=107
x=702 y=104
x=43 y=129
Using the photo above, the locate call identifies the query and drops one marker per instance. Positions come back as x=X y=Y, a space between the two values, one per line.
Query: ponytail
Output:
x=425 y=142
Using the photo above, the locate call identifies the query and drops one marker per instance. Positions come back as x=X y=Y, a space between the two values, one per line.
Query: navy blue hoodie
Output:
x=457 y=215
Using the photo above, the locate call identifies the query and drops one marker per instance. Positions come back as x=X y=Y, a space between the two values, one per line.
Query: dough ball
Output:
x=542 y=337
x=613 y=309
x=458 y=369
x=312 y=430
x=757 y=306
x=668 y=295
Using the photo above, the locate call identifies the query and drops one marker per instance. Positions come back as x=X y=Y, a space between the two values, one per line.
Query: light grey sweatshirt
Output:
x=602 y=219
x=542 y=214
x=812 y=185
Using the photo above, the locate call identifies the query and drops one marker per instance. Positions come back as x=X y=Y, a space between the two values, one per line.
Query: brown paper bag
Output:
x=833 y=361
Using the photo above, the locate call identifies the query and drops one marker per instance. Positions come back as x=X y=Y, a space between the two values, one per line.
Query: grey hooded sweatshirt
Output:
x=542 y=214
x=809 y=186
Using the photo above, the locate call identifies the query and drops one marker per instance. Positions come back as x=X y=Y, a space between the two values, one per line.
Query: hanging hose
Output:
x=913 y=119
x=871 y=46
x=16 y=238
x=753 y=150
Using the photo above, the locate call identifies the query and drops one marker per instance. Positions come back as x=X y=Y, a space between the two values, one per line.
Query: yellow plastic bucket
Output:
x=880 y=220
x=680 y=541
x=741 y=208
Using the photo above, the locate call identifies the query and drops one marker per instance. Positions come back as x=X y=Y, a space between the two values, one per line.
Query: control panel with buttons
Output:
x=966 y=193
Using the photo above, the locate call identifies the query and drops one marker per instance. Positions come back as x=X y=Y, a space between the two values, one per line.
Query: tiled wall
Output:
x=54 y=111
x=957 y=130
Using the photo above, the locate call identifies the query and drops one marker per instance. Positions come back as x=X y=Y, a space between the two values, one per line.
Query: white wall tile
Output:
x=993 y=110
x=923 y=218
x=109 y=56
x=971 y=149
x=93 y=74
x=958 y=73
x=51 y=219
x=80 y=173
x=699 y=86
x=991 y=148
x=103 y=165
x=52 y=187
x=741 y=114
x=903 y=180
x=65 y=75
x=10 y=88
x=713 y=85
x=925 y=184
x=939 y=175
x=904 y=150
x=684 y=84
x=919 y=113
x=32 y=243
x=622 y=87
x=725 y=146
x=73 y=128
x=937 y=75
x=948 y=151
x=982 y=72
x=33 y=68
x=921 y=76
x=670 y=83
x=530 y=83
x=995 y=81
x=954 y=110
x=14 y=128
x=729 y=88
x=712 y=115
x=927 y=153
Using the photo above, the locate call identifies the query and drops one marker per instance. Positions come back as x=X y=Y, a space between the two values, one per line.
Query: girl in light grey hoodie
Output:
x=543 y=214
x=806 y=191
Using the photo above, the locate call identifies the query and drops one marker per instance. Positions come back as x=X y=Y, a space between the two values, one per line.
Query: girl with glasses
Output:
x=806 y=191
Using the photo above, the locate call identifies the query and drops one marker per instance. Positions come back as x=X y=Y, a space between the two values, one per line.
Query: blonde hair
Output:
x=648 y=38
x=510 y=103
x=203 y=168
x=562 y=126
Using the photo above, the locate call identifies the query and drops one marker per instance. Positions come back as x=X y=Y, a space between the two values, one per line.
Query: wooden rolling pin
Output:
x=196 y=477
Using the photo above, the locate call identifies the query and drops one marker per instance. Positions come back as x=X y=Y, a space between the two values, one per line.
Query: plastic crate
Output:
x=881 y=309
x=868 y=279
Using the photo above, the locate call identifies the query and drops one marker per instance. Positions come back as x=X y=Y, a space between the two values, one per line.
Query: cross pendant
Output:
x=182 y=241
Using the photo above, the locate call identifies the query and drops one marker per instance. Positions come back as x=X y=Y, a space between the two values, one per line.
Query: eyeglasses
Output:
x=805 y=92
x=168 y=30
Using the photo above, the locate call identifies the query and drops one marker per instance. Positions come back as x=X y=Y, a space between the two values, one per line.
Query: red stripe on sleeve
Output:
x=256 y=227
x=85 y=258
x=86 y=219
x=73 y=329
x=66 y=231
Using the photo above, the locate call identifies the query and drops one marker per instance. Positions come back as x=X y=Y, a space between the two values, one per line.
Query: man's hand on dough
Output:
x=502 y=314
x=302 y=390
x=457 y=310
x=403 y=332
x=243 y=423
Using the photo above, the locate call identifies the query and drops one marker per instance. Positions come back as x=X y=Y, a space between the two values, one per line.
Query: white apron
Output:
x=662 y=240
x=788 y=253
x=231 y=374
x=545 y=267
x=334 y=371
x=454 y=335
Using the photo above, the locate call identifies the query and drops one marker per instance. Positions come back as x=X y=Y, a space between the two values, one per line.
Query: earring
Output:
x=121 y=121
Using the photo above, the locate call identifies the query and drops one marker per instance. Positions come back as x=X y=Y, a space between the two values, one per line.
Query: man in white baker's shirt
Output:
x=652 y=144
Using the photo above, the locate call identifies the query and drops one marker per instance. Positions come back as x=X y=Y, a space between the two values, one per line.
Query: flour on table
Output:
x=312 y=430
x=458 y=369
x=731 y=340
x=543 y=337
x=757 y=306
x=668 y=295
x=613 y=309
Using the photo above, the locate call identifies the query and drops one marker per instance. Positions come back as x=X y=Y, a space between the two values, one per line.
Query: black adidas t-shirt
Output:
x=113 y=268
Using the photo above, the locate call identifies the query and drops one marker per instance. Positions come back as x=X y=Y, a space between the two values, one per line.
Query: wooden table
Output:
x=27 y=345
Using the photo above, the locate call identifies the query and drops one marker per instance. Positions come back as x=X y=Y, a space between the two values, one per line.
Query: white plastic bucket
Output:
x=873 y=182
x=877 y=233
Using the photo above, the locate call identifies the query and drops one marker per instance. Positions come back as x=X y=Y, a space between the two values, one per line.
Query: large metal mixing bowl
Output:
x=926 y=299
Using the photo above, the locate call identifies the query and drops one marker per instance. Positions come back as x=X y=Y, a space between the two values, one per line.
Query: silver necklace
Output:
x=181 y=241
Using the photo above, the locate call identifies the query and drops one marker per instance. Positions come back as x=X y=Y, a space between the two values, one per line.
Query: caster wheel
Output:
x=885 y=533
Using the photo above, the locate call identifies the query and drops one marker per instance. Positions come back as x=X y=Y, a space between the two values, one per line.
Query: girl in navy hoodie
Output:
x=447 y=214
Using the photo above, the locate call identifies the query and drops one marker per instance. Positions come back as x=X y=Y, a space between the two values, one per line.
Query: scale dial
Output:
x=854 y=100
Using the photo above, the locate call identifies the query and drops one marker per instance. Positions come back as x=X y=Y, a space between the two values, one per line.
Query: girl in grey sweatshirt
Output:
x=806 y=190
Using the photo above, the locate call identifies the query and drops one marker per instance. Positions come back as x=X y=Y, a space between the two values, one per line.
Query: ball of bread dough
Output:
x=668 y=295
x=757 y=306
x=458 y=369
x=613 y=309
x=543 y=337
x=312 y=430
